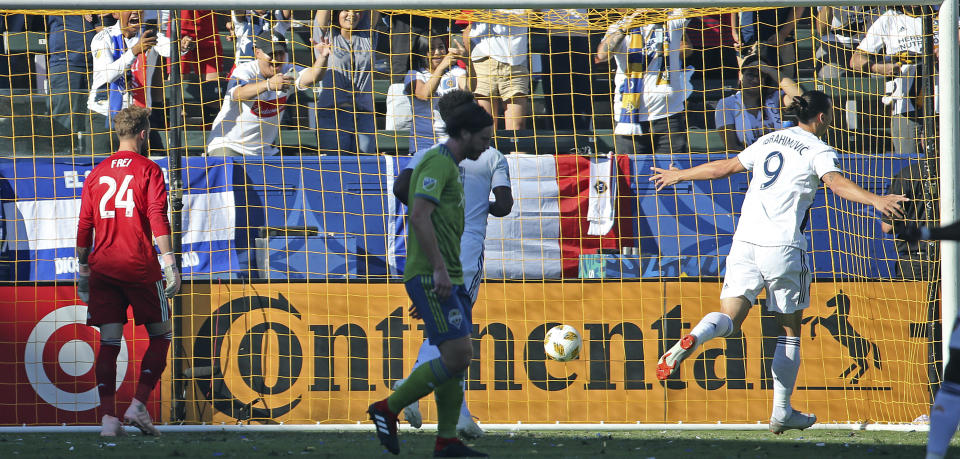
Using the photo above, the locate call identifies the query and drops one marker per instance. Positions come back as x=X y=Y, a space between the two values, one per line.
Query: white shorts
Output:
x=783 y=270
x=471 y=258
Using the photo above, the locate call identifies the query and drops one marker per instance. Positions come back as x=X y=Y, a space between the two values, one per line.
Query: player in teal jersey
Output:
x=434 y=280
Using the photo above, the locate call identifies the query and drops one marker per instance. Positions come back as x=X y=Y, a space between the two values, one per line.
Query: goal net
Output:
x=292 y=243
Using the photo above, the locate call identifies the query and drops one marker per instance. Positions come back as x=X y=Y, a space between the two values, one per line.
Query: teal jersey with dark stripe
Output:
x=437 y=179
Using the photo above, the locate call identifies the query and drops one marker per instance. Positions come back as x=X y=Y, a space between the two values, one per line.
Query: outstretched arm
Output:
x=313 y=74
x=950 y=232
x=888 y=205
x=910 y=232
x=707 y=171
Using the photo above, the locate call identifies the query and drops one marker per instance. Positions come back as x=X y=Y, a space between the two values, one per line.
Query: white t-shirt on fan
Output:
x=250 y=127
x=894 y=33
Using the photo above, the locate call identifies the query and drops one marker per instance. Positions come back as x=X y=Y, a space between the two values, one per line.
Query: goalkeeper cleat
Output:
x=468 y=429
x=386 y=423
x=667 y=365
x=110 y=426
x=797 y=420
x=137 y=416
x=455 y=448
x=411 y=412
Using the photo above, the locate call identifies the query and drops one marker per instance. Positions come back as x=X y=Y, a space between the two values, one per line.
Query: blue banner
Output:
x=348 y=201
x=41 y=203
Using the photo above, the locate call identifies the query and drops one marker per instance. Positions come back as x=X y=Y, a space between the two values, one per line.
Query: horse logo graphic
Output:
x=839 y=326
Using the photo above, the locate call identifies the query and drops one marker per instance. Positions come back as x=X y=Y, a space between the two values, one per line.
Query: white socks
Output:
x=786 y=359
x=711 y=326
x=944 y=417
x=429 y=352
x=786 y=363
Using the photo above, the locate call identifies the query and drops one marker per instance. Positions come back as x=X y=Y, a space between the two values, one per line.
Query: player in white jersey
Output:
x=769 y=248
x=487 y=173
x=945 y=412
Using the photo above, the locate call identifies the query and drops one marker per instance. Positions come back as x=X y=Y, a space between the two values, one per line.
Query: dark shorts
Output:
x=109 y=300
x=443 y=320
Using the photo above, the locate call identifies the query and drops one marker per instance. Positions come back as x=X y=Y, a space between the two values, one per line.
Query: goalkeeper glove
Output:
x=913 y=233
x=171 y=275
x=83 y=283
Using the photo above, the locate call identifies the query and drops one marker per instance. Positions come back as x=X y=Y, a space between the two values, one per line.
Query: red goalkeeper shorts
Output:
x=109 y=300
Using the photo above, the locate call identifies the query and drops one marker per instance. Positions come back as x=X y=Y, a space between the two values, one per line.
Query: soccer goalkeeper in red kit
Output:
x=123 y=208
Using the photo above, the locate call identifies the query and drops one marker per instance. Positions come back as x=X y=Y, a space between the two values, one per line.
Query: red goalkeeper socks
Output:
x=106 y=371
x=154 y=362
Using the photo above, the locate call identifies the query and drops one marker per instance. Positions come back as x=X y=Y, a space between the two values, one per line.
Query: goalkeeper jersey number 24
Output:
x=124 y=206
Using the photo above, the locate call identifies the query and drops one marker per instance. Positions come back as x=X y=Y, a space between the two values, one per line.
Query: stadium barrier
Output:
x=241 y=216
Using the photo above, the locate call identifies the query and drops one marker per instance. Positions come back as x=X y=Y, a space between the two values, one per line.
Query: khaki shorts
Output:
x=496 y=79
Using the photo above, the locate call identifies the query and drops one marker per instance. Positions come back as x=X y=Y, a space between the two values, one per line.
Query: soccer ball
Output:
x=562 y=343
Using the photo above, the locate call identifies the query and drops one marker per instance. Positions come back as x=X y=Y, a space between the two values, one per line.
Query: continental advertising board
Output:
x=306 y=353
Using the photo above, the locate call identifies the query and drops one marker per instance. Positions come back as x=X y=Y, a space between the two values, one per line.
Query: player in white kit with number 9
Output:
x=769 y=249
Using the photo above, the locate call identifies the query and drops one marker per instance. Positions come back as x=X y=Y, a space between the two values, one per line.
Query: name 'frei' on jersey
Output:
x=787 y=166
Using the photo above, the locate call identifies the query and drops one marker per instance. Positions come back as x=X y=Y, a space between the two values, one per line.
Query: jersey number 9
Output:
x=772 y=167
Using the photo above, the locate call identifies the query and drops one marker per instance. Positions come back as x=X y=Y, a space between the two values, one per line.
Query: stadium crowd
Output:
x=650 y=84
x=268 y=82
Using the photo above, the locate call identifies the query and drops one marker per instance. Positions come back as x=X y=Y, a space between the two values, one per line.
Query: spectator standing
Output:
x=441 y=75
x=249 y=120
x=247 y=24
x=499 y=56
x=15 y=67
x=70 y=62
x=122 y=270
x=653 y=84
x=899 y=34
x=203 y=56
x=756 y=108
x=716 y=46
x=410 y=37
x=345 y=113
x=125 y=59
x=840 y=30
x=776 y=45
x=567 y=71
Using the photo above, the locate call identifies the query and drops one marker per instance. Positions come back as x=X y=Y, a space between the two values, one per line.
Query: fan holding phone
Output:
x=249 y=120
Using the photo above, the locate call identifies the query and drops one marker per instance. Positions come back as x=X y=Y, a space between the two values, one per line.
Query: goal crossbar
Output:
x=478 y=4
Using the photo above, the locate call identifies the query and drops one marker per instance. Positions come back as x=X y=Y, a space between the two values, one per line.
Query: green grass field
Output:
x=820 y=444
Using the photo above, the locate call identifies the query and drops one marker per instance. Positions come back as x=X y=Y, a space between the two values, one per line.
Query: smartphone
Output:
x=292 y=73
x=149 y=27
x=456 y=40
